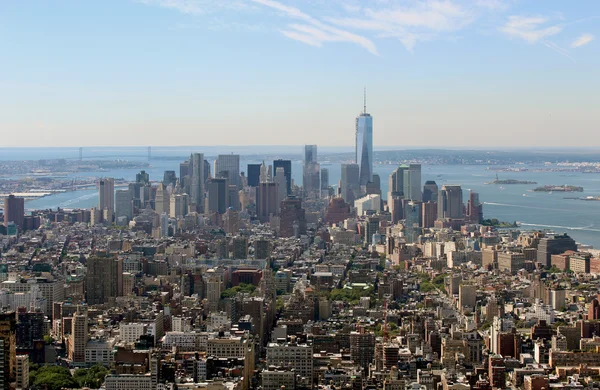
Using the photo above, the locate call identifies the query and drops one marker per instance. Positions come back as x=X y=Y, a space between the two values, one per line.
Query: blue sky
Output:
x=214 y=72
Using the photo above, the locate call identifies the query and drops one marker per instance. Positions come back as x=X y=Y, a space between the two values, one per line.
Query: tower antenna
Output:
x=365 y=101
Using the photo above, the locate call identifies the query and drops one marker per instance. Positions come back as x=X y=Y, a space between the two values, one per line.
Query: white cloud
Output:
x=315 y=32
x=419 y=22
x=583 y=40
x=529 y=28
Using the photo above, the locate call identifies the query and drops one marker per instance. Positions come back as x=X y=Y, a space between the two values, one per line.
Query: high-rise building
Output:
x=350 y=182
x=428 y=214
x=14 y=211
x=310 y=154
x=169 y=177
x=371 y=227
x=22 y=372
x=8 y=349
x=253 y=175
x=413 y=183
x=430 y=191
x=362 y=348
x=78 y=338
x=162 y=202
x=217 y=195
x=325 y=181
x=287 y=169
x=292 y=218
x=206 y=172
x=229 y=163
x=554 y=245
x=240 y=247
x=281 y=184
x=266 y=201
x=185 y=174
x=124 y=204
x=143 y=178
x=106 y=197
x=450 y=202
x=103 y=279
x=396 y=182
x=197 y=181
x=364 y=145
x=474 y=208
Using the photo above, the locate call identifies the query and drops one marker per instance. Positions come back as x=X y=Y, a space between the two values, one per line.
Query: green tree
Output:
x=241 y=288
x=52 y=378
x=92 y=377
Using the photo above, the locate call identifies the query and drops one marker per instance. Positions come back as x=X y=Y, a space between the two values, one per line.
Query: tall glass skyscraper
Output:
x=364 y=145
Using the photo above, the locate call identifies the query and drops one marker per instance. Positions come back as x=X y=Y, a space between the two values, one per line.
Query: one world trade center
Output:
x=364 y=145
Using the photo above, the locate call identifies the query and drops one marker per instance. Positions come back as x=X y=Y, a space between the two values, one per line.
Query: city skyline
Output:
x=474 y=74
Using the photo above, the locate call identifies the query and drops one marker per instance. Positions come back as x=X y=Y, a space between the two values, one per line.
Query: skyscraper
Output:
x=292 y=218
x=103 y=279
x=350 y=182
x=413 y=185
x=430 y=191
x=14 y=211
x=253 y=175
x=287 y=169
x=364 y=145
x=474 y=208
x=266 y=201
x=229 y=163
x=169 y=177
x=450 y=202
x=106 y=197
x=311 y=181
x=218 y=195
x=197 y=184
x=8 y=349
x=124 y=204
x=161 y=201
x=324 y=180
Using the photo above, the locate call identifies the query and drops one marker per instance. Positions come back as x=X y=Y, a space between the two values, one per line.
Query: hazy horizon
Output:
x=452 y=74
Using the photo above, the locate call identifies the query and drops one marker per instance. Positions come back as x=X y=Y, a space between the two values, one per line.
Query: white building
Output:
x=130 y=333
x=99 y=351
x=51 y=291
x=185 y=342
x=291 y=355
x=22 y=372
x=226 y=347
x=369 y=202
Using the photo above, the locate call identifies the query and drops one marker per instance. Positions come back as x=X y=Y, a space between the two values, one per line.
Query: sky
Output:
x=438 y=73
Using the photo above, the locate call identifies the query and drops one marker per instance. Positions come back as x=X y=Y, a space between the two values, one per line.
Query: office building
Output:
x=362 y=348
x=428 y=214
x=554 y=245
x=292 y=218
x=169 y=178
x=450 y=202
x=143 y=178
x=106 y=197
x=78 y=338
x=396 y=182
x=229 y=163
x=368 y=203
x=162 y=202
x=185 y=175
x=197 y=182
x=364 y=145
x=350 y=182
x=253 y=174
x=267 y=195
x=103 y=279
x=22 y=372
x=371 y=228
x=281 y=184
x=324 y=181
x=14 y=211
x=474 y=208
x=217 y=195
x=207 y=172
x=412 y=184
x=298 y=357
x=123 y=204
x=311 y=181
x=8 y=349
x=287 y=170
x=430 y=192
x=240 y=247
x=511 y=262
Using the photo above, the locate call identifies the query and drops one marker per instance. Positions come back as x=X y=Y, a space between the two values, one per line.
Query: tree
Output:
x=92 y=377
x=242 y=288
x=52 y=378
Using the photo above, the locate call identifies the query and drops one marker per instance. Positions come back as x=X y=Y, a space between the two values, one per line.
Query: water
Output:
x=580 y=219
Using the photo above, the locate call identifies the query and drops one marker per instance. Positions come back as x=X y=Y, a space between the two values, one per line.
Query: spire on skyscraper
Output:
x=365 y=101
